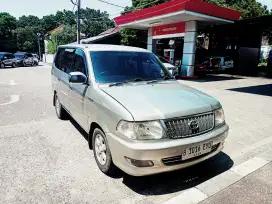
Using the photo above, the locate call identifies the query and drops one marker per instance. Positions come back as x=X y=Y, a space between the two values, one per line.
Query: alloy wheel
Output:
x=100 y=149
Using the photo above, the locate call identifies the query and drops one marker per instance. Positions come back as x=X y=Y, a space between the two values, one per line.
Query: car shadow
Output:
x=179 y=180
x=213 y=77
x=265 y=90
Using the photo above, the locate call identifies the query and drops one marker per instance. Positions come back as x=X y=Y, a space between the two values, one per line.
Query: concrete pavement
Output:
x=45 y=160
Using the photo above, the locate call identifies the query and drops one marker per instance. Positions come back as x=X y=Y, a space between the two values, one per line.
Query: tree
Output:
x=65 y=17
x=249 y=8
x=94 y=22
x=26 y=39
x=62 y=37
x=30 y=21
x=7 y=25
x=49 y=23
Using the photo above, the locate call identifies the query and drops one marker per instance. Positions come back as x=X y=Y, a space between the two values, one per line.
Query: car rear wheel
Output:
x=14 y=65
x=60 y=112
x=102 y=153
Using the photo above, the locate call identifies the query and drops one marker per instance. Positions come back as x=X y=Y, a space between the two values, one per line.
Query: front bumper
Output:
x=159 y=151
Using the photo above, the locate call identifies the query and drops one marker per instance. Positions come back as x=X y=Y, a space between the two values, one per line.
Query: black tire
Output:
x=14 y=65
x=2 y=65
x=60 y=112
x=108 y=168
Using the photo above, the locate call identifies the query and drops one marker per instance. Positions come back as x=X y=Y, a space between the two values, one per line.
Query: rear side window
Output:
x=10 y=56
x=71 y=60
x=65 y=60
x=59 y=58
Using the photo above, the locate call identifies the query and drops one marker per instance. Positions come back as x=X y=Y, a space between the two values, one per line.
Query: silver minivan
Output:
x=138 y=117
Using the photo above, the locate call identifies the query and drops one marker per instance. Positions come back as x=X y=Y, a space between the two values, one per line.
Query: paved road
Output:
x=45 y=160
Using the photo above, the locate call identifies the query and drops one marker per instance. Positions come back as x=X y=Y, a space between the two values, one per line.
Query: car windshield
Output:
x=20 y=56
x=121 y=66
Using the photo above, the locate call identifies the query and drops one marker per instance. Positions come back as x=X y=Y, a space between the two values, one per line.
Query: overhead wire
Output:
x=129 y=10
x=106 y=2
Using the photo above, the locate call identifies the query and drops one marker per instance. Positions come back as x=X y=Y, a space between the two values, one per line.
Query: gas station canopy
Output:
x=177 y=11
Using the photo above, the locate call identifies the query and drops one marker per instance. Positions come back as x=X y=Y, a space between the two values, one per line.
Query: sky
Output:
x=41 y=8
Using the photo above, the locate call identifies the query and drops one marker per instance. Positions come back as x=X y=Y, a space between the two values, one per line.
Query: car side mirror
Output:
x=77 y=78
x=5 y=57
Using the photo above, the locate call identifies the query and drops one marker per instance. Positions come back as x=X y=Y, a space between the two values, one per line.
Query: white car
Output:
x=172 y=69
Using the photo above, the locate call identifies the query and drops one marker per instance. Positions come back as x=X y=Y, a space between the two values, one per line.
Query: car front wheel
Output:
x=102 y=153
x=2 y=65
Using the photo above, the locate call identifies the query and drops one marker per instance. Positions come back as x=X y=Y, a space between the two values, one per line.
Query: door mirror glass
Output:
x=77 y=78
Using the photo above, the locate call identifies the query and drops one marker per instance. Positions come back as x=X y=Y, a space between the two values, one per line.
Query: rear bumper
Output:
x=161 y=151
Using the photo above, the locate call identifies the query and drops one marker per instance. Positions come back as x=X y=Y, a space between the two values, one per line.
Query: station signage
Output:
x=168 y=29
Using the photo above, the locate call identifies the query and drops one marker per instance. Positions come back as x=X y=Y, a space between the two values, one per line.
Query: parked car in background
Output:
x=24 y=59
x=136 y=115
x=36 y=59
x=214 y=64
x=7 y=59
x=269 y=59
x=172 y=68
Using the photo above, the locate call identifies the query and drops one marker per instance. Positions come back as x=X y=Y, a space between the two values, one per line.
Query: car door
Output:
x=64 y=63
x=6 y=60
x=78 y=91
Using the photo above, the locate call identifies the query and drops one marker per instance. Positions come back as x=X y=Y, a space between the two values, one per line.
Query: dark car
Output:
x=24 y=59
x=269 y=60
x=7 y=59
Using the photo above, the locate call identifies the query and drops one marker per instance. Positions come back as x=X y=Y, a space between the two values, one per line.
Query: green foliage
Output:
x=94 y=22
x=7 y=25
x=26 y=38
x=249 y=8
x=21 y=34
x=62 y=37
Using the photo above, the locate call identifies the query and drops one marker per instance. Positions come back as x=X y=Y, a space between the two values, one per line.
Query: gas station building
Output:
x=177 y=19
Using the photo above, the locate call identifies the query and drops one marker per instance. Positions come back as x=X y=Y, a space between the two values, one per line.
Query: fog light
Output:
x=140 y=163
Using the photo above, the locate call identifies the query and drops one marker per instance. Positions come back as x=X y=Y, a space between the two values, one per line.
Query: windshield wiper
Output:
x=116 y=84
x=135 y=80
x=157 y=80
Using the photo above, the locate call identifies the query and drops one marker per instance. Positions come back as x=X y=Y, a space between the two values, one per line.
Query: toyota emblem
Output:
x=193 y=125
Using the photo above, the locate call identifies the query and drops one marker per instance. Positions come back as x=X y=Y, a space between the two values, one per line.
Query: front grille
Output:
x=170 y=161
x=180 y=127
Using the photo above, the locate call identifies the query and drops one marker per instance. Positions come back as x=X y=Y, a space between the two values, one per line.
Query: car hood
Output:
x=161 y=100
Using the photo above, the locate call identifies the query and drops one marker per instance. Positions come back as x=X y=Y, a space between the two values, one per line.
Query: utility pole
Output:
x=39 y=38
x=78 y=21
x=78 y=18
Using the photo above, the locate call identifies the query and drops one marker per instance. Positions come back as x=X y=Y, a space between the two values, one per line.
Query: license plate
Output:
x=197 y=150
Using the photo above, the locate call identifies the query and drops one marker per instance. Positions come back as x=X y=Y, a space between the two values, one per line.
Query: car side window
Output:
x=59 y=58
x=80 y=62
x=68 y=63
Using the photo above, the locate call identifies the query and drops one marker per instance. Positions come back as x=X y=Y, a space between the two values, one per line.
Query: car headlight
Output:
x=219 y=117
x=151 y=130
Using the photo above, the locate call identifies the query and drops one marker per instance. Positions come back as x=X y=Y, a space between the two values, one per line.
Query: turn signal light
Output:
x=139 y=163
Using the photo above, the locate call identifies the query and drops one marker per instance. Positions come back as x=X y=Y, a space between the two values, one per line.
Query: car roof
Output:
x=105 y=47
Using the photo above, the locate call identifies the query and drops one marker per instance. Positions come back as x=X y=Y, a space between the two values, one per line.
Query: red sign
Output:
x=168 y=29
